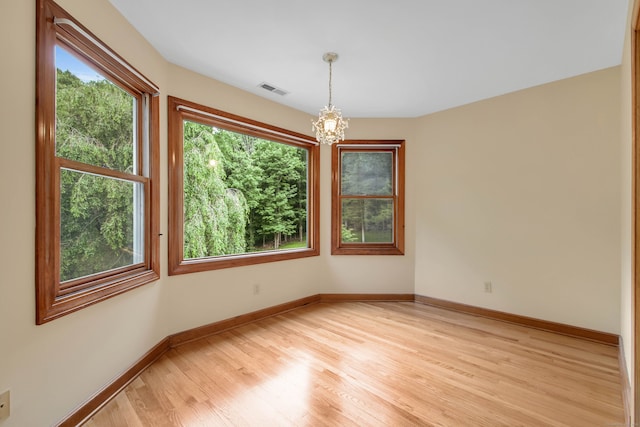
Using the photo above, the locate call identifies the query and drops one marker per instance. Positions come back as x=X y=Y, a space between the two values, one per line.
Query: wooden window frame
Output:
x=397 y=246
x=180 y=110
x=54 y=26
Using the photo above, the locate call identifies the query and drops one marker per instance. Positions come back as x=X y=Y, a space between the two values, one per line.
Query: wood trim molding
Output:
x=85 y=411
x=627 y=393
x=223 y=325
x=545 y=325
x=365 y=297
x=102 y=397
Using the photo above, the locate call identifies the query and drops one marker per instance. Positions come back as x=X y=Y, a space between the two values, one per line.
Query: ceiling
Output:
x=400 y=58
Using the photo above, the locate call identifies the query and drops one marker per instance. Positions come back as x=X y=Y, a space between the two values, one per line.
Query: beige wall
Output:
x=522 y=190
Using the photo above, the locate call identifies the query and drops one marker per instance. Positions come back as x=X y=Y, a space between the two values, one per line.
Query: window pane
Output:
x=367 y=174
x=367 y=221
x=241 y=194
x=101 y=224
x=94 y=117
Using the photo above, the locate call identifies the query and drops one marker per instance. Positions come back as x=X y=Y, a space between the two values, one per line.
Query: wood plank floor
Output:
x=376 y=364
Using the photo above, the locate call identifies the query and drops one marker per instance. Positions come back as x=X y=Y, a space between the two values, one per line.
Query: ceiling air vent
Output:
x=272 y=88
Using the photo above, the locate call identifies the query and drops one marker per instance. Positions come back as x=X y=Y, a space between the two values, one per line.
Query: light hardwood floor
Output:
x=376 y=364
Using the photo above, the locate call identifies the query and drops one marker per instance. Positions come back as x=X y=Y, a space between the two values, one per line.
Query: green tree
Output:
x=301 y=194
x=214 y=214
x=94 y=122
x=264 y=180
x=242 y=175
x=272 y=177
x=94 y=125
x=281 y=165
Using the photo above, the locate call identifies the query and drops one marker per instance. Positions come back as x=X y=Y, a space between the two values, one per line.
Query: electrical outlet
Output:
x=256 y=289
x=488 y=287
x=5 y=405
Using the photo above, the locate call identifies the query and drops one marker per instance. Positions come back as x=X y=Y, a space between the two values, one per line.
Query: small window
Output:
x=368 y=198
x=96 y=190
x=241 y=192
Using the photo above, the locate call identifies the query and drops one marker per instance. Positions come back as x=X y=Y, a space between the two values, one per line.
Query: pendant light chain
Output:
x=330 y=78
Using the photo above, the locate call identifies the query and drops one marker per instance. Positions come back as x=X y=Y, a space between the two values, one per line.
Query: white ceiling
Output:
x=400 y=58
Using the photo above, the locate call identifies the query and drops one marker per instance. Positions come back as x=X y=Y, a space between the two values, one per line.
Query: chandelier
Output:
x=330 y=126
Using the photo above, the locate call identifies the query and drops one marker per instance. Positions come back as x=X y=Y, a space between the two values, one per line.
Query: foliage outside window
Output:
x=368 y=198
x=241 y=192
x=96 y=190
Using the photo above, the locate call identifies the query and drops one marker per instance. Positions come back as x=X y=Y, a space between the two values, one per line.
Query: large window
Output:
x=368 y=198
x=96 y=169
x=241 y=192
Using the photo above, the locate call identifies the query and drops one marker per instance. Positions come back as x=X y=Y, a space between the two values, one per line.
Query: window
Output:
x=96 y=169
x=240 y=192
x=368 y=198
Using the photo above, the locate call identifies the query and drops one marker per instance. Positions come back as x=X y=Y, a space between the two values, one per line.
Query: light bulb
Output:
x=330 y=125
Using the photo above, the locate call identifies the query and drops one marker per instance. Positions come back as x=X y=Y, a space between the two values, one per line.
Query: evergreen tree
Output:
x=242 y=175
x=94 y=125
x=281 y=165
x=214 y=215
